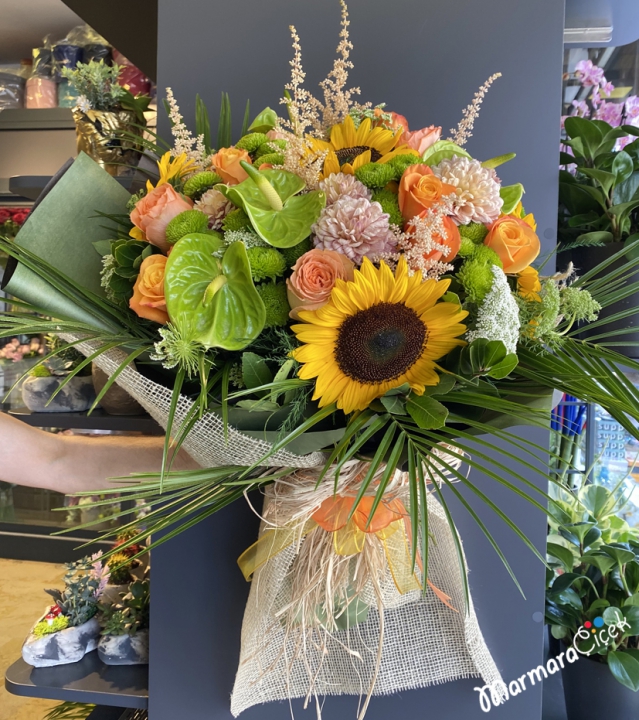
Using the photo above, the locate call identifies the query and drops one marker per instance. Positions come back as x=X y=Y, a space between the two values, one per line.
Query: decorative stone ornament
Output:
x=63 y=647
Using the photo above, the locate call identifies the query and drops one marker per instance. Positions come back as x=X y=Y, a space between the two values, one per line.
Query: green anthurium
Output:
x=511 y=195
x=278 y=214
x=264 y=122
x=442 y=150
x=212 y=301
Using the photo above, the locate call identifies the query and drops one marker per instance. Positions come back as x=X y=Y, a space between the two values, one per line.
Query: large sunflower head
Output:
x=376 y=333
x=350 y=148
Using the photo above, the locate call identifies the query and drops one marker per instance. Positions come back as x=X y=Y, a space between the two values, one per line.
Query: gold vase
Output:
x=101 y=135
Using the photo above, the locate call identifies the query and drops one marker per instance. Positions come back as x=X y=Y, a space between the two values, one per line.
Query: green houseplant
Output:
x=592 y=601
x=599 y=216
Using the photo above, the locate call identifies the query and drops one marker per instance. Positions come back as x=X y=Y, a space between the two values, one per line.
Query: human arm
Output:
x=75 y=463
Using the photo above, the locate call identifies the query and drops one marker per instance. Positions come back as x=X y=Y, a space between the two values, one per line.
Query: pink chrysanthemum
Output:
x=477 y=198
x=339 y=184
x=354 y=227
x=216 y=206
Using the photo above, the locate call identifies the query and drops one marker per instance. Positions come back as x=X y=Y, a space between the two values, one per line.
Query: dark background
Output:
x=425 y=60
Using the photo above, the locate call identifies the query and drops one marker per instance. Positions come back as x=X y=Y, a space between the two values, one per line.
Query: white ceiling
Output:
x=24 y=23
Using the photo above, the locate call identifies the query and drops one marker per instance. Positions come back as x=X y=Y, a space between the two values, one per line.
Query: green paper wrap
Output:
x=60 y=230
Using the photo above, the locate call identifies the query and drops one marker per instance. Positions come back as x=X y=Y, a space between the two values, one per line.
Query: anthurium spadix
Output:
x=278 y=213
x=212 y=300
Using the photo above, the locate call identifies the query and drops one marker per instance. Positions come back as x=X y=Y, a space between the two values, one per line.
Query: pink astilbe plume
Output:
x=464 y=130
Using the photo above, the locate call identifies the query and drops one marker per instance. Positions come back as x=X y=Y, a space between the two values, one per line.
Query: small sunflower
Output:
x=377 y=333
x=350 y=148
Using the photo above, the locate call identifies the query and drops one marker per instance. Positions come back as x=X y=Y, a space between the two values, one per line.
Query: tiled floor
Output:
x=22 y=601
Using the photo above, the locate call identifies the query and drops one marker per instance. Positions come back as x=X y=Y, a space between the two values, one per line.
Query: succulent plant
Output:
x=45 y=628
x=120 y=569
x=131 y=614
x=78 y=600
x=122 y=267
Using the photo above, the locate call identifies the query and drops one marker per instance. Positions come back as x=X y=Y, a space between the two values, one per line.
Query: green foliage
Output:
x=594 y=557
x=131 y=614
x=70 y=711
x=442 y=150
x=251 y=142
x=121 y=268
x=40 y=371
x=77 y=601
x=266 y=263
x=44 y=628
x=119 y=569
x=474 y=231
x=98 y=83
x=375 y=175
x=198 y=184
x=598 y=203
x=292 y=254
x=189 y=221
x=261 y=194
x=236 y=220
x=65 y=360
x=390 y=204
x=273 y=296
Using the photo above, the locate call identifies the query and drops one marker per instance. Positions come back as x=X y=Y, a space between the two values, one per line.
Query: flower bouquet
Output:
x=342 y=312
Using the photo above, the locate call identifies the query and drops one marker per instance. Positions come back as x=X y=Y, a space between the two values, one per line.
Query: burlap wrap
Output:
x=425 y=642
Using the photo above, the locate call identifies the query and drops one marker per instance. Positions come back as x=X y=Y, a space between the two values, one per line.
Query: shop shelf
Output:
x=87 y=681
x=98 y=420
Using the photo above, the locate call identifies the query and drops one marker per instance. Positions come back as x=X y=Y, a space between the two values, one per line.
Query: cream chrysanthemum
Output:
x=339 y=184
x=376 y=333
x=477 y=196
x=354 y=227
x=216 y=206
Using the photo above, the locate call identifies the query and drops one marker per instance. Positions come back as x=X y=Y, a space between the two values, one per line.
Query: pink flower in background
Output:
x=589 y=74
x=610 y=112
x=607 y=88
x=581 y=108
x=632 y=109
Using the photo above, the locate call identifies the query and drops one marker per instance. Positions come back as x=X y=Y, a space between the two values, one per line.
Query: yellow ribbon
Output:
x=349 y=540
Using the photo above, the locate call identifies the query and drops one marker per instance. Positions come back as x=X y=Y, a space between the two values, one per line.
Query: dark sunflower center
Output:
x=380 y=343
x=347 y=155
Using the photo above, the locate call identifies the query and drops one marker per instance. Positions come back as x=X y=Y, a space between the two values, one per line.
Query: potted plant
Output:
x=70 y=628
x=124 y=567
x=125 y=628
x=108 y=118
x=592 y=602
x=598 y=193
x=51 y=386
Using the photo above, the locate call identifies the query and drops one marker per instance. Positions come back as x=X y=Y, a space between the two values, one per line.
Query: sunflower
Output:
x=350 y=148
x=377 y=333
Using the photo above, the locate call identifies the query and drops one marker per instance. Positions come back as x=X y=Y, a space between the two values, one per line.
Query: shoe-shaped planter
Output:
x=124 y=649
x=62 y=647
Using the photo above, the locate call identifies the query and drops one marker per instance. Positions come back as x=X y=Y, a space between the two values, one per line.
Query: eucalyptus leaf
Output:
x=212 y=301
x=102 y=247
x=255 y=371
x=394 y=404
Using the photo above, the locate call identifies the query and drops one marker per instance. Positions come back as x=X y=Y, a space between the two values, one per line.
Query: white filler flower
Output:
x=498 y=317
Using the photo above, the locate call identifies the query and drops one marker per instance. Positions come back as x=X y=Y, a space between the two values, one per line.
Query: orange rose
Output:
x=226 y=163
x=313 y=278
x=419 y=190
x=421 y=140
x=155 y=211
x=148 y=293
x=451 y=239
x=514 y=241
